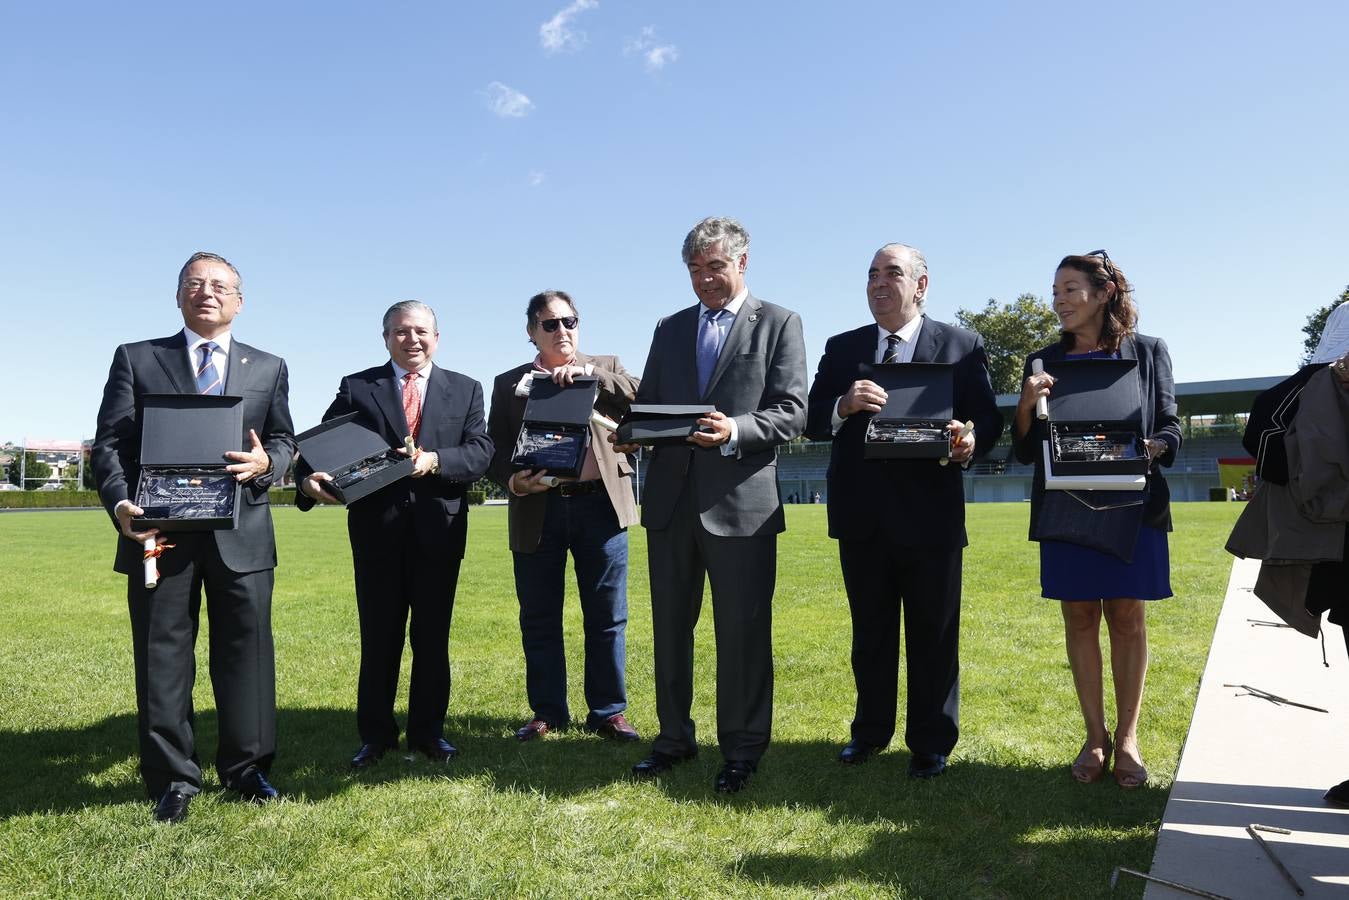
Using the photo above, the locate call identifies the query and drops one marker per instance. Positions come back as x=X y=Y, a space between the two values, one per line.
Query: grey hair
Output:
x=407 y=306
x=917 y=262
x=213 y=257
x=731 y=234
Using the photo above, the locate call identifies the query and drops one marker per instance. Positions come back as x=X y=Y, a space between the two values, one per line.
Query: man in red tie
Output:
x=407 y=539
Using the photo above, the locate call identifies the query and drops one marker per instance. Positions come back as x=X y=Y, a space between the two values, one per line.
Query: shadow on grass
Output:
x=980 y=830
x=59 y=770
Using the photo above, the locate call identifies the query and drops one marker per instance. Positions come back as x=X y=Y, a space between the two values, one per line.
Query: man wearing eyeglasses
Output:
x=407 y=538
x=587 y=515
x=711 y=506
x=234 y=566
x=900 y=523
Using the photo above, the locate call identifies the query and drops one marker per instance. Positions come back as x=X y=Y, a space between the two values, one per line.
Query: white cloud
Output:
x=557 y=34
x=656 y=55
x=507 y=102
x=535 y=178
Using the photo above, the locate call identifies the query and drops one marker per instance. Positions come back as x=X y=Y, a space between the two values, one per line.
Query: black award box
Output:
x=556 y=430
x=658 y=424
x=919 y=404
x=358 y=459
x=1096 y=418
x=183 y=485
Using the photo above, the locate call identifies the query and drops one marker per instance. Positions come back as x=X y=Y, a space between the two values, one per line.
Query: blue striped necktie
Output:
x=208 y=379
x=709 y=346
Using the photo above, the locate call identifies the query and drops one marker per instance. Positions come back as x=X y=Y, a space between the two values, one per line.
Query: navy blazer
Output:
x=916 y=501
x=161 y=366
x=1160 y=423
x=452 y=425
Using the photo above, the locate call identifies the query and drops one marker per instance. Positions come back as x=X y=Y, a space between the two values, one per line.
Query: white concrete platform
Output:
x=1247 y=760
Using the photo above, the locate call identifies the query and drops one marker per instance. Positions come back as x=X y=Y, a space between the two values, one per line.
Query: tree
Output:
x=35 y=469
x=1316 y=323
x=1011 y=333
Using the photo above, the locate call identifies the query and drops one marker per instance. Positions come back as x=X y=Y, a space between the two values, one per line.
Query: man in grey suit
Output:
x=234 y=566
x=711 y=508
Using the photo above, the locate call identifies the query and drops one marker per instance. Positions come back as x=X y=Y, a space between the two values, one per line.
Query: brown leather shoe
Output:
x=534 y=728
x=617 y=728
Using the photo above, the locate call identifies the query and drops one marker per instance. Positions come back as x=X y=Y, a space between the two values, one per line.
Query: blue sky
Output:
x=346 y=156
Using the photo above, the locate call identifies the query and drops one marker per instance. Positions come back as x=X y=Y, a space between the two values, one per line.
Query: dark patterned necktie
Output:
x=891 y=349
x=208 y=379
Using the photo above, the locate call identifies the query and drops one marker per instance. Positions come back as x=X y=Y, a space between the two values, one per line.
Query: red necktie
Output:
x=412 y=404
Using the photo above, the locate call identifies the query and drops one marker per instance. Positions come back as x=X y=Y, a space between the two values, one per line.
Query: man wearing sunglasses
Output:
x=407 y=539
x=711 y=506
x=587 y=515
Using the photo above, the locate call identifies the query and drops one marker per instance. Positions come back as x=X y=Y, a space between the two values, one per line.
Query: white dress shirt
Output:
x=908 y=338
x=220 y=357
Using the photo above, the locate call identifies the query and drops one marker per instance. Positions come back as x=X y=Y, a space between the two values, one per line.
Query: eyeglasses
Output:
x=567 y=322
x=1105 y=258
x=219 y=288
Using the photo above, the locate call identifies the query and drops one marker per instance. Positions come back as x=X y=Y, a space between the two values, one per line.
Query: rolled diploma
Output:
x=1037 y=367
x=151 y=567
x=963 y=433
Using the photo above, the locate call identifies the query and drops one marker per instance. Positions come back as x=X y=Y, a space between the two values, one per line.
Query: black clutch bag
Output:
x=1107 y=521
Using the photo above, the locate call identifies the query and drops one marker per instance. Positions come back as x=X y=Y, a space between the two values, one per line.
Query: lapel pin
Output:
x=753 y=317
x=243 y=360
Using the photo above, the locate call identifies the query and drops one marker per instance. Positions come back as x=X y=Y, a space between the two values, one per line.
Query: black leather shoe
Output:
x=1338 y=795
x=369 y=754
x=438 y=751
x=659 y=763
x=856 y=752
x=172 y=807
x=734 y=775
x=254 y=787
x=926 y=765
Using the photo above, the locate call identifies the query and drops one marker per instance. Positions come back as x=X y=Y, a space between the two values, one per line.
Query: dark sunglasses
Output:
x=567 y=322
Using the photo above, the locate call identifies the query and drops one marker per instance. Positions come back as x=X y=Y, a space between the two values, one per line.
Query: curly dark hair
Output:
x=1121 y=314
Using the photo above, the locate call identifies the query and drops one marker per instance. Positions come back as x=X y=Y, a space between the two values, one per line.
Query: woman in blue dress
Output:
x=1094 y=303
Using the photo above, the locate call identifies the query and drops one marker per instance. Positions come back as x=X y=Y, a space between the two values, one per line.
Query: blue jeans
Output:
x=587 y=526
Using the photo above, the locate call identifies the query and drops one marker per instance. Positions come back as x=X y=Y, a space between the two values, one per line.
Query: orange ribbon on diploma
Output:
x=153 y=550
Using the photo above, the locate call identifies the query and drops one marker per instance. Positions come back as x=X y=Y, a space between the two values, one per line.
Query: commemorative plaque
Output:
x=919 y=405
x=1095 y=424
x=358 y=459
x=555 y=432
x=658 y=424
x=183 y=485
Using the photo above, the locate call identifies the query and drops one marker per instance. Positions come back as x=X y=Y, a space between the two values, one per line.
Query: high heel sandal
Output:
x=1091 y=771
x=1130 y=777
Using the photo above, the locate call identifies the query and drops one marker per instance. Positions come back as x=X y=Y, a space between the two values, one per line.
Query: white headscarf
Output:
x=1334 y=337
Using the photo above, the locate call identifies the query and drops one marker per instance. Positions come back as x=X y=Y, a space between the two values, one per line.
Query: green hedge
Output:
x=84 y=499
x=47 y=499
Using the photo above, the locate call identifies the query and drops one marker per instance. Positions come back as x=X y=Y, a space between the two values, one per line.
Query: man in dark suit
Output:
x=234 y=566
x=711 y=506
x=407 y=539
x=900 y=524
x=588 y=515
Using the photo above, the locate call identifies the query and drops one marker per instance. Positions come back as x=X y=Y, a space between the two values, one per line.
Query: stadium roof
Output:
x=1202 y=398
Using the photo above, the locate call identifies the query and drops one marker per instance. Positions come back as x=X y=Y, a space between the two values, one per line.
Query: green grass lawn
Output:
x=560 y=817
